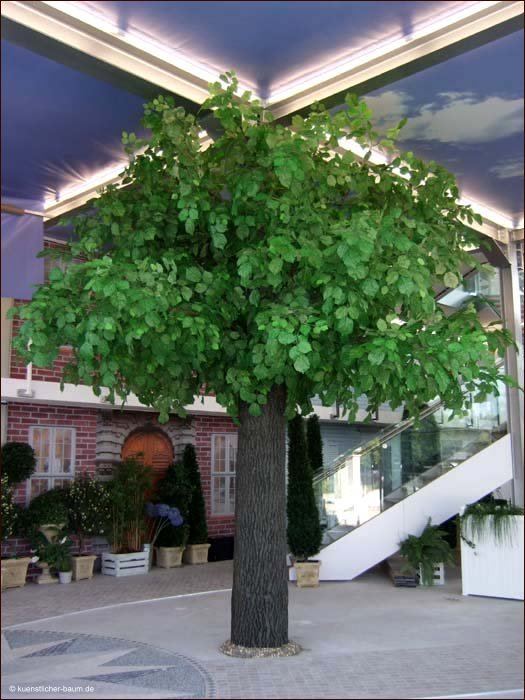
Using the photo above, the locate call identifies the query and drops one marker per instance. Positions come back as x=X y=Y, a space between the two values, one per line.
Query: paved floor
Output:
x=363 y=639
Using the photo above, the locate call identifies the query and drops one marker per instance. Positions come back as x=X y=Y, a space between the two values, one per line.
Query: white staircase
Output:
x=351 y=551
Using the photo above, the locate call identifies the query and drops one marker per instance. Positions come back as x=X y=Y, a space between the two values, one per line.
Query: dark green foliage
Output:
x=252 y=260
x=18 y=461
x=175 y=489
x=304 y=530
x=314 y=443
x=427 y=550
x=49 y=508
x=198 y=533
x=56 y=553
x=127 y=492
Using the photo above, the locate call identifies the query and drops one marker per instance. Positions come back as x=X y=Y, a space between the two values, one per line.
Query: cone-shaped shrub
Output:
x=314 y=443
x=198 y=529
x=304 y=530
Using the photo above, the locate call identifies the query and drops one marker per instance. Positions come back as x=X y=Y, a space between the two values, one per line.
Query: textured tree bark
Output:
x=260 y=587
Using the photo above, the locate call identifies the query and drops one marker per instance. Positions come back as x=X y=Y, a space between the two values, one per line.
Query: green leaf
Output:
x=302 y=364
x=450 y=280
x=382 y=325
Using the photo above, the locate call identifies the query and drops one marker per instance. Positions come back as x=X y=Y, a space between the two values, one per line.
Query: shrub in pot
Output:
x=314 y=443
x=48 y=513
x=425 y=552
x=196 y=551
x=304 y=529
x=55 y=555
x=164 y=518
x=18 y=461
x=13 y=569
x=127 y=496
x=89 y=516
x=175 y=490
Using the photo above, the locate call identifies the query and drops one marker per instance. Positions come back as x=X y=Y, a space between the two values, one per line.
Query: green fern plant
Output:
x=427 y=550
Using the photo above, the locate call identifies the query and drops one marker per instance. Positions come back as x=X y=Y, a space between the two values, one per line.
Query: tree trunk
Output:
x=260 y=586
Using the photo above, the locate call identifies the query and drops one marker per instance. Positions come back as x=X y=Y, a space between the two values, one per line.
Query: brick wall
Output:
x=21 y=416
x=205 y=427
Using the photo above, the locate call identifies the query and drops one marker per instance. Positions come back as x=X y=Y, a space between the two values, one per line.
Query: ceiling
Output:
x=61 y=125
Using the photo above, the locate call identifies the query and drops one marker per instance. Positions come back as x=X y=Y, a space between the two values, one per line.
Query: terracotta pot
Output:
x=196 y=554
x=83 y=566
x=169 y=557
x=14 y=572
x=307 y=573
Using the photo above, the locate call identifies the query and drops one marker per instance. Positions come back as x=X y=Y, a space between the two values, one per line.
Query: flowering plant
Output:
x=56 y=553
x=162 y=516
x=89 y=509
x=8 y=509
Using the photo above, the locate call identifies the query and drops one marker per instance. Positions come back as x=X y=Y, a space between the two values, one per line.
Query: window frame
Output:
x=227 y=475
x=52 y=475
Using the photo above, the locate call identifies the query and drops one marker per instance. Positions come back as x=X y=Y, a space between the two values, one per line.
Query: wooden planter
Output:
x=169 y=557
x=130 y=564
x=83 y=566
x=307 y=573
x=14 y=572
x=196 y=554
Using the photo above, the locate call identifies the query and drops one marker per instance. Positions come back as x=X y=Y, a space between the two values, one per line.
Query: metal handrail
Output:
x=383 y=436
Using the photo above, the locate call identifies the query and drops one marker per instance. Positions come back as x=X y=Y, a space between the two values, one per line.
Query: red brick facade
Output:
x=205 y=427
x=21 y=416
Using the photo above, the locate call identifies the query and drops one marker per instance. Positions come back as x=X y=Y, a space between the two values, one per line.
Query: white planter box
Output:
x=494 y=569
x=125 y=564
x=439 y=575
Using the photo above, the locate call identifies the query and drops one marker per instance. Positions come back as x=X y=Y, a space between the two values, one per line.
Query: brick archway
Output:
x=150 y=447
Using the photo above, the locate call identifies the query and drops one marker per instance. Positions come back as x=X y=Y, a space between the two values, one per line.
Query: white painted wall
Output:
x=379 y=538
x=494 y=569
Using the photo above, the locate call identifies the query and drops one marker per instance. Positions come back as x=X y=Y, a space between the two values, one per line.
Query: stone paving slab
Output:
x=362 y=639
x=34 y=602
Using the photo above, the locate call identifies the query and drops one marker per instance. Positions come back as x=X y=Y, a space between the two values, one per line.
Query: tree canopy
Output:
x=273 y=257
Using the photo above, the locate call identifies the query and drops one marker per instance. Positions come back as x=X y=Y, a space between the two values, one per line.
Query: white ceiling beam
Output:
x=437 y=34
x=128 y=51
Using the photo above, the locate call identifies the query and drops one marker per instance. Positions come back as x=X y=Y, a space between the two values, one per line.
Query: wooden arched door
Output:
x=151 y=448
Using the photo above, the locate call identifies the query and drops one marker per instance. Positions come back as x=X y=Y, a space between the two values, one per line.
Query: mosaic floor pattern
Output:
x=94 y=665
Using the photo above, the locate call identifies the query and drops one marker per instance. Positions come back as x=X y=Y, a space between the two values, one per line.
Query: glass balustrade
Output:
x=403 y=459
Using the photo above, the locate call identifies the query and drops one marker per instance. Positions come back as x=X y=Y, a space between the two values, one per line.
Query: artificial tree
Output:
x=304 y=530
x=175 y=489
x=271 y=267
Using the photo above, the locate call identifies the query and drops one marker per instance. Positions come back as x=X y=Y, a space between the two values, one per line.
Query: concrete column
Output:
x=514 y=365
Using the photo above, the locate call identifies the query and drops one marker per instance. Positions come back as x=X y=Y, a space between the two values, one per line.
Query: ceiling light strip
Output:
x=344 y=73
x=131 y=51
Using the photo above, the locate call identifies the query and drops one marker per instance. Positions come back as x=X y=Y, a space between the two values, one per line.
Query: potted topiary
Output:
x=127 y=495
x=89 y=515
x=18 y=462
x=428 y=554
x=14 y=569
x=175 y=490
x=196 y=551
x=304 y=529
x=48 y=513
